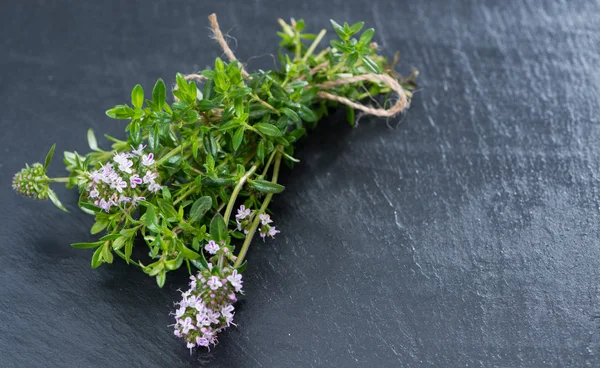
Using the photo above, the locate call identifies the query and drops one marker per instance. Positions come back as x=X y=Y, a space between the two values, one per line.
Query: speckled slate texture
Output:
x=463 y=234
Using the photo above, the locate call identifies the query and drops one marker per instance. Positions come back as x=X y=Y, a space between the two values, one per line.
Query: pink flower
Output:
x=273 y=232
x=94 y=193
x=211 y=247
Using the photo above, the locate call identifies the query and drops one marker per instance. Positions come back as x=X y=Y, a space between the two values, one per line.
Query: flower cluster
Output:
x=123 y=180
x=31 y=182
x=244 y=221
x=206 y=308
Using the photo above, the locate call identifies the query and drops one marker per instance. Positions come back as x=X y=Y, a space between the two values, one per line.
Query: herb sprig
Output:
x=177 y=178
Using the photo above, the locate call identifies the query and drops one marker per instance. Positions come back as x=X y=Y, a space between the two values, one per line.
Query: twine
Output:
x=398 y=107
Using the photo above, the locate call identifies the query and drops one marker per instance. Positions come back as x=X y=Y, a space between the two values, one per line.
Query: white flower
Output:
x=211 y=247
x=243 y=212
x=235 y=280
x=214 y=283
x=148 y=160
x=154 y=187
x=265 y=219
x=139 y=151
x=149 y=177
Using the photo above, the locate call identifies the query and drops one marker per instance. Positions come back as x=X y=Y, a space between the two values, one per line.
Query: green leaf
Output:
x=290 y=114
x=106 y=253
x=87 y=245
x=351 y=59
x=54 y=198
x=366 y=37
x=99 y=226
x=137 y=96
x=267 y=129
x=152 y=220
x=154 y=138
x=260 y=152
x=339 y=30
x=119 y=242
x=49 y=156
x=370 y=64
x=219 y=65
x=356 y=27
x=188 y=253
x=238 y=137
x=91 y=138
x=128 y=250
x=199 y=208
x=120 y=112
x=266 y=186
x=307 y=114
x=241 y=268
x=218 y=229
x=159 y=94
x=97 y=257
x=161 y=278
x=110 y=237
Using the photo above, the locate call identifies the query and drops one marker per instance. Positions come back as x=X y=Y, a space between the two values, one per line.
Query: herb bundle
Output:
x=186 y=167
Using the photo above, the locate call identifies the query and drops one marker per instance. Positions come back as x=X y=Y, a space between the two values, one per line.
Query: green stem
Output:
x=236 y=191
x=269 y=163
x=314 y=45
x=192 y=188
x=256 y=221
x=58 y=180
x=172 y=152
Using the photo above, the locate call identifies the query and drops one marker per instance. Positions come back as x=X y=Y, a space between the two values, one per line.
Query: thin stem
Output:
x=314 y=45
x=58 y=180
x=236 y=191
x=171 y=153
x=268 y=163
x=192 y=188
x=256 y=221
x=264 y=103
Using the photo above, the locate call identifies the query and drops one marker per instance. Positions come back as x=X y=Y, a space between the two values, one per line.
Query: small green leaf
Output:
x=188 y=253
x=161 y=278
x=267 y=186
x=268 y=129
x=54 y=198
x=120 y=112
x=128 y=250
x=218 y=229
x=290 y=114
x=106 y=253
x=152 y=220
x=97 y=257
x=238 y=137
x=307 y=114
x=154 y=138
x=356 y=27
x=370 y=64
x=49 y=156
x=351 y=59
x=241 y=268
x=199 y=208
x=260 y=152
x=137 y=96
x=366 y=37
x=87 y=245
x=119 y=242
x=91 y=138
x=339 y=30
x=159 y=94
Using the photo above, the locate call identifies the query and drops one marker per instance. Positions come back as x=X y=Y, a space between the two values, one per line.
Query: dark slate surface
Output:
x=464 y=237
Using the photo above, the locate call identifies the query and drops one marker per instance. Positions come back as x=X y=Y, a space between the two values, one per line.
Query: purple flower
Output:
x=135 y=180
x=273 y=232
x=94 y=193
x=211 y=247
x=214 y=283
x=148 y=160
